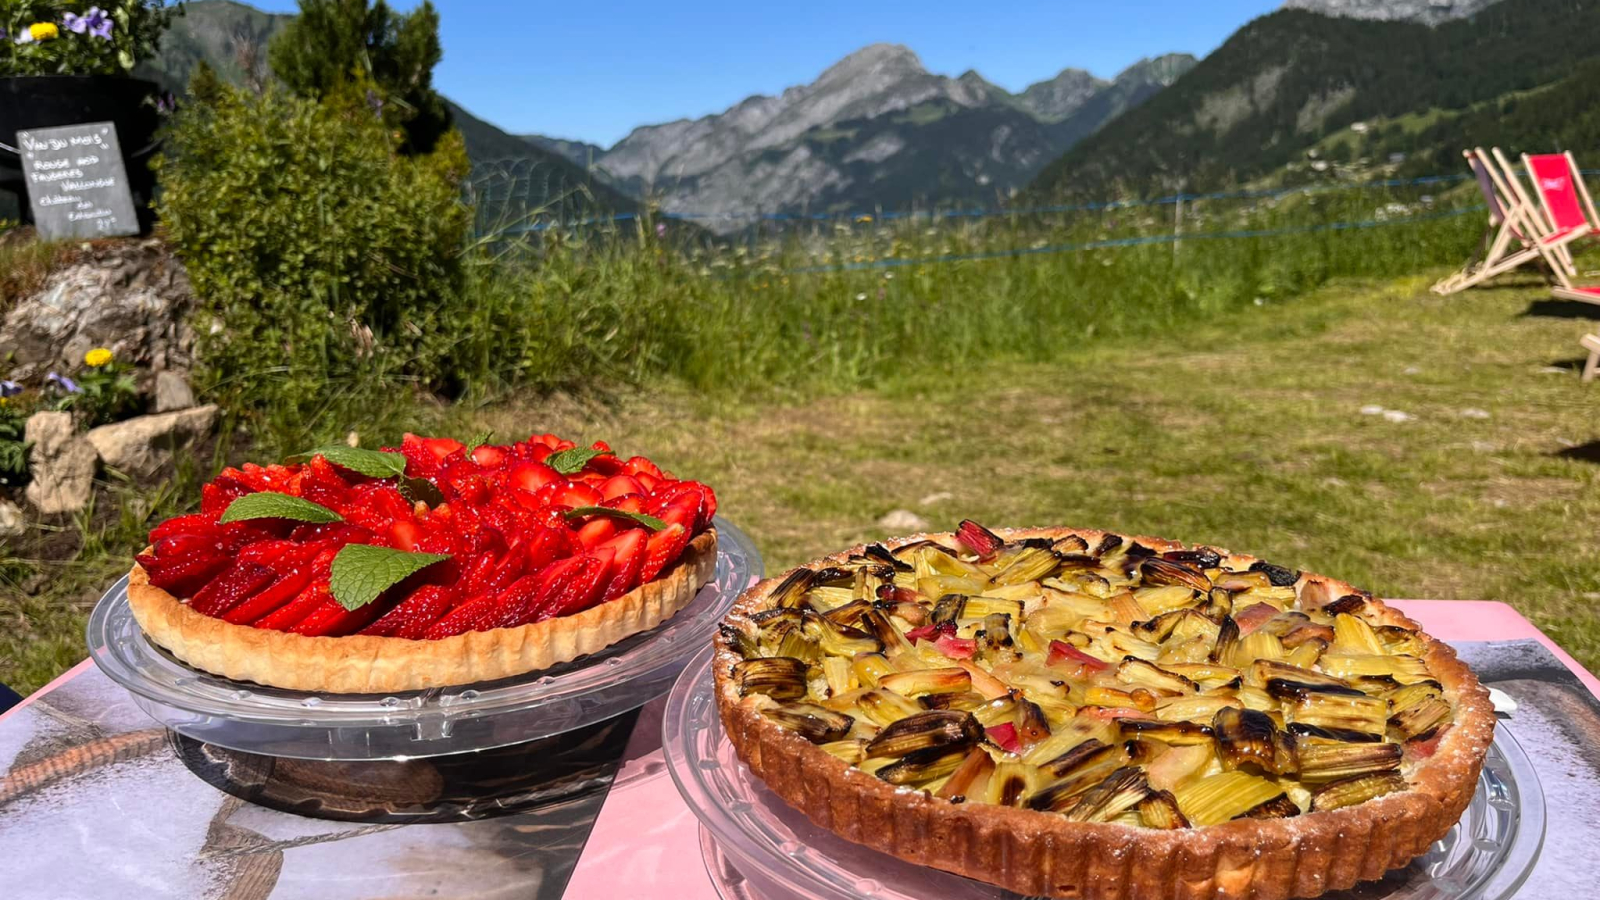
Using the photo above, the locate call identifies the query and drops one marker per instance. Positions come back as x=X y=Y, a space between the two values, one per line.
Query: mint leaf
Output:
x=479 y=439
x=648 y=521
x=571 y=462
x=361 y=572
x=371 y=463
x=273 y=505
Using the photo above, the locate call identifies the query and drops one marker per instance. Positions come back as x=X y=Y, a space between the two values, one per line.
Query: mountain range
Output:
x=1411 y=80
x=875 y=128
x=1287 y=82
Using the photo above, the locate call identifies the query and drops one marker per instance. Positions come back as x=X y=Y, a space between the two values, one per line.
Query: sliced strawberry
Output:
x=266 y=553
x=627 y=562
x=531 y=476
x=511 y=567
x=582 y=588
x=287 y=587
x=183 y=575
x=638 y=464
x=685 y=509
x=546 y=546
x=441 y=447
x=215 y=497
x=596 y=531
x=488 y=456
x=199 y=524
x=332 y=620
x=175 y=545
x=230 y=588
x=404 y=535
x=617 y=485
x=708 y=502
x=514 y=605
x=288 y=615
x=633 y=503
x=577 y=494
x=464 y=617
x=553 y=581
x=411 y=618
x=662 y=550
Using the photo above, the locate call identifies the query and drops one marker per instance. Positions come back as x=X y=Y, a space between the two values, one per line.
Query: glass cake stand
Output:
x=757 y=847
x=460 y=719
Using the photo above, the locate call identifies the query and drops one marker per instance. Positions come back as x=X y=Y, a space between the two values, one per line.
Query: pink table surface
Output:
x=646 y=842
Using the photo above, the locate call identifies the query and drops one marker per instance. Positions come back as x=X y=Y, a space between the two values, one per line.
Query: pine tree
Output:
x=337 y=47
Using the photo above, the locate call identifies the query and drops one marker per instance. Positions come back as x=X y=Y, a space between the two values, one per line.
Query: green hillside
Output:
x=1286 y=81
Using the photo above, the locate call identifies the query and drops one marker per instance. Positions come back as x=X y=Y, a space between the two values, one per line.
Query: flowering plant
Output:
x=103 y=392
x=52 y=37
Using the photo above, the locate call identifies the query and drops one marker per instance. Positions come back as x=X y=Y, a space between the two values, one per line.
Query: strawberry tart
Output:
x=347 y=570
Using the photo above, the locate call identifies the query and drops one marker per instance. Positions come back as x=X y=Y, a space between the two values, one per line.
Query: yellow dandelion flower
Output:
x=97 y=357
x=43 y=31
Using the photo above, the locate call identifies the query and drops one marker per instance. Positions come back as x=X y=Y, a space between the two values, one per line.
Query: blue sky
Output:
x=595 y=70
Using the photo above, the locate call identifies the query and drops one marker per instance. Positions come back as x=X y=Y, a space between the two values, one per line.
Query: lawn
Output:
x=1245 y=430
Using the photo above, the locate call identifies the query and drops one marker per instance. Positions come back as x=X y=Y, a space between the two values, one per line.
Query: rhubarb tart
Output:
x=1083 y=714
x=347 y=570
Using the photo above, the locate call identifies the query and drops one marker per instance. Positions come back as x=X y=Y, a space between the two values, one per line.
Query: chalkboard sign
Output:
x=75 y=181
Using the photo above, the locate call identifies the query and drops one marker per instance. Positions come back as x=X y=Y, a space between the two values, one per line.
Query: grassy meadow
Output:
x=1211 y=391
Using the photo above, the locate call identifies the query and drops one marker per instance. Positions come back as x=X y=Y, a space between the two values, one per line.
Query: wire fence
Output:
x=981 y=212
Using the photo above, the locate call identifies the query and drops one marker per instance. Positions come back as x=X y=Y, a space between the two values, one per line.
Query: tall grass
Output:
x=843 y=305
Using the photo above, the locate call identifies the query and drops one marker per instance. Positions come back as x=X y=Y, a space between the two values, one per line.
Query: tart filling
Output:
x=1084 y=678
x=373 y=556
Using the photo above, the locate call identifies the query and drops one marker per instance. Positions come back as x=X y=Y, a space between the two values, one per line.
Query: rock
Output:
x=144 y=447
x=903 y=521
x=1372 y=410
x=172 y=392
x=131 y=297
x=1474 y=413
x=62 y=464
x=11 y=524
x=1395 y=415
x=939 y=497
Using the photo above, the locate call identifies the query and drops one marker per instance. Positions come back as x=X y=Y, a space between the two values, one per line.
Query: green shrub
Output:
x=323 y=257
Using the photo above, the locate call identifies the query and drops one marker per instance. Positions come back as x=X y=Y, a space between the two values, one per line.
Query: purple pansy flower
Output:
x=63 y=382
x=9 y=388
x=95 y=22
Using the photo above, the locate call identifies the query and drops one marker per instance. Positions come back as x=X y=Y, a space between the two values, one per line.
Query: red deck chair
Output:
x=1568 y=209
x=1510 y=240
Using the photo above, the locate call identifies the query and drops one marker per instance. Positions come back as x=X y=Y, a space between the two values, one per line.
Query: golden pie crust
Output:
x=364 y=664
x=1042 y=853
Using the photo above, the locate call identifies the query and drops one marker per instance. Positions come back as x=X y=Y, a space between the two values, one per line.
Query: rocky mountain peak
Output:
x=1162 y=70
x=1430 y=12
x=1059 y=97
x=873 y=61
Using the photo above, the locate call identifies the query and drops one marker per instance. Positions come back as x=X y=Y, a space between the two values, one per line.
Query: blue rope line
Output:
x=891 y=263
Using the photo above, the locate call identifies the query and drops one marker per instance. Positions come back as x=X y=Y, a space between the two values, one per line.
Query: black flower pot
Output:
x=48 y=101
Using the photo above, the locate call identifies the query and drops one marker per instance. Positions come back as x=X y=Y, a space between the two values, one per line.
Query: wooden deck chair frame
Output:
x=1508 y=226
x=1586 y=205
x=1551 y=241
x=1591 y=343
